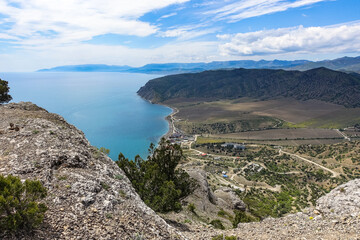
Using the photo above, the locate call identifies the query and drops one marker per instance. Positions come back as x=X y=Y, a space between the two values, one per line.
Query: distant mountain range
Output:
x=320 y=84
x=346 y=64
x=172 y=68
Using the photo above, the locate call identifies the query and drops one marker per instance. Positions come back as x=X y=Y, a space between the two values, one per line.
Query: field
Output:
x=278 y=134
x=283 y=142
x=289 y=110
x=236 y=119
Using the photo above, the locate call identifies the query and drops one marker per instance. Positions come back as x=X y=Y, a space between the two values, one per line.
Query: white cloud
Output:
x=188 y=32
x=168 y=15
x=242 y=9
x=71 y=21
x=340 y=38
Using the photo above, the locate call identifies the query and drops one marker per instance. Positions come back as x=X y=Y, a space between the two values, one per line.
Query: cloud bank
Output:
x=336 y=38
x=39 y=22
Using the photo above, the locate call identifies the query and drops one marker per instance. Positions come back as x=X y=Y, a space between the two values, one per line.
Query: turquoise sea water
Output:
x=104 y=106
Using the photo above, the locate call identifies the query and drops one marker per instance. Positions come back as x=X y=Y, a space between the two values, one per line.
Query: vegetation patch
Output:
x=157 y=180
x=20 y=209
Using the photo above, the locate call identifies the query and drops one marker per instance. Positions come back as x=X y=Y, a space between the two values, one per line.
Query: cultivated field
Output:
x=255 y=114
x=294 y=142
x=277 y=134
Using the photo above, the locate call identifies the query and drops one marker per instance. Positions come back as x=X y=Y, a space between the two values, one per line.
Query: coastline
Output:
x=169 y=118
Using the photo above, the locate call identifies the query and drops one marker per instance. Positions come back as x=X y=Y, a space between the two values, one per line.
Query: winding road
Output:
x=334 y=174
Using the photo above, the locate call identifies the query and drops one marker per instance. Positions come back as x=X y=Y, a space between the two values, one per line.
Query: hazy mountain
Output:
x=167 y=68
x=321 y=84
x=347 y=64
x=87 y=68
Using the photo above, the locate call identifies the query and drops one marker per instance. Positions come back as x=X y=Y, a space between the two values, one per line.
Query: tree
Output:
x=157 y=180
x=19 y=207
x=4 y=92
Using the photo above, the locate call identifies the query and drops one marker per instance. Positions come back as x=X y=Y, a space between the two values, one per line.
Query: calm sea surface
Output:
x=104 y=106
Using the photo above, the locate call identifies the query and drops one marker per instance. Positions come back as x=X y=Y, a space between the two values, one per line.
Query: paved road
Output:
x=334 y=174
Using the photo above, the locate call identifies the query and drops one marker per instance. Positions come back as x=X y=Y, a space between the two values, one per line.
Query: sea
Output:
x=104 y=106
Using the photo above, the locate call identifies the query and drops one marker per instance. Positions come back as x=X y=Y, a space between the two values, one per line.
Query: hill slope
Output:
x=320 y=84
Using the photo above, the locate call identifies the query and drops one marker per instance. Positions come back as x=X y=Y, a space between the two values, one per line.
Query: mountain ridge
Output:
x=176 y=67
x=319 y=84
x=345 y=64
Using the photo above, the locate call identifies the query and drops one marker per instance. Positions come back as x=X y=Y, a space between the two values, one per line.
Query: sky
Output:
x=36 y=34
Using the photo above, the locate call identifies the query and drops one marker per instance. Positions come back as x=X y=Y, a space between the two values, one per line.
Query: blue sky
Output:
x=38 y=34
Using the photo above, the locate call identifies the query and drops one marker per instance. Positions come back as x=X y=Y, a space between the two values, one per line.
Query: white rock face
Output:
x=344 y=200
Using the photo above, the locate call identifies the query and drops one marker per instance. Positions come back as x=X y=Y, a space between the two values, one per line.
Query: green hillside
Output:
x=319 y=84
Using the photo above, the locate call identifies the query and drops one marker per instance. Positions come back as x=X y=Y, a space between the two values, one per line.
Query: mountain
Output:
x=167 y=68
x=87 y=68
x=346 y=64
x=320 y=84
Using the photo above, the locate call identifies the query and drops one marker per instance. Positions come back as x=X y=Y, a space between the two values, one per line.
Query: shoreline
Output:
x=169 y=118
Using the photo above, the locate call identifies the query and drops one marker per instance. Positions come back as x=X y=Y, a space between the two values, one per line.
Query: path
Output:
x=334 y=174
x=342 y=134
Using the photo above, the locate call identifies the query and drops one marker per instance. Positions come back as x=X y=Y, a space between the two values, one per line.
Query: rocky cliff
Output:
x=89 y=197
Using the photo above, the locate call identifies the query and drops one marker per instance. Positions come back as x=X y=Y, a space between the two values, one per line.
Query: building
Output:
x=234 y=145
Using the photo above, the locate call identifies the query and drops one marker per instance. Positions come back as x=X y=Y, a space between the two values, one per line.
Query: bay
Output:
x=104 y=106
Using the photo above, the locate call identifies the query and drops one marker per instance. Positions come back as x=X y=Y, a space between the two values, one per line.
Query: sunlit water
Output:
x=104 y=106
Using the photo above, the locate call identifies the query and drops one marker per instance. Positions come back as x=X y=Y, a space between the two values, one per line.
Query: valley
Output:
x=259 y=157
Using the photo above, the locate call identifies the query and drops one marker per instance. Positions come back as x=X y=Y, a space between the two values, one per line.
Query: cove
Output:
x=104 y=106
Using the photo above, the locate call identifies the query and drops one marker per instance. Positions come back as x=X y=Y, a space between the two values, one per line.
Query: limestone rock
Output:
x=89 y=196
x=344 y=200
x=230 y=198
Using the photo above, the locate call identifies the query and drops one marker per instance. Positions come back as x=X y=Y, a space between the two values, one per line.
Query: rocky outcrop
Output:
x=203 y=190
x=89 y=197
x=336 y=216
x=229 y=197
x=342 y=201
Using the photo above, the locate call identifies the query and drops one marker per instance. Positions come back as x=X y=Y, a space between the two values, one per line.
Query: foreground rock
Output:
x=89 y=197
x=336 y=216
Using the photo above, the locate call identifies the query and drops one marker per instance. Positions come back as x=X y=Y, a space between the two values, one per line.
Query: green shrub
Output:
x=241 y=217
x=221 y=237
x=157 y=180
x=19 y=207
x=217 y=224
x=4 y=92
x=191 y=207
x=225 y=214
x=104 y=150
